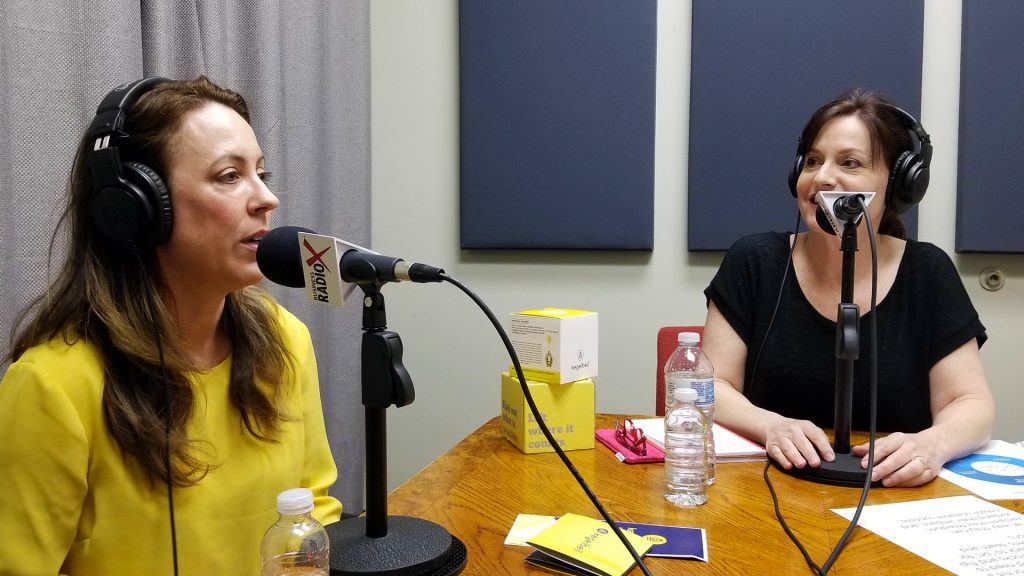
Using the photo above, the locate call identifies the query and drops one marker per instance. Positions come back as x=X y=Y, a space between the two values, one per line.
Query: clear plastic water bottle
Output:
x=685 y=455
x=689 y=367
x=296 y=545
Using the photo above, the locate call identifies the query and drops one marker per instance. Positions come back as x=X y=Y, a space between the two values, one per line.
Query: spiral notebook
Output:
x=729 y=446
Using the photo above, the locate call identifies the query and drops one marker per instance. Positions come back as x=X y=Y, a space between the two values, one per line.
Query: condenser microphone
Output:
x=280 y=257
x=837 y=208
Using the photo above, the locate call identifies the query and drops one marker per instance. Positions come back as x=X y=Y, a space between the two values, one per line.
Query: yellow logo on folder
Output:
x=581 y=545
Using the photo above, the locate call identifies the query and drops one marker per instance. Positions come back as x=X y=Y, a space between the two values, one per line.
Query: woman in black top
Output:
x=932 y=392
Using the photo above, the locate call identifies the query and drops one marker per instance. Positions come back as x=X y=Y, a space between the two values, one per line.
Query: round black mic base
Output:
x=845 y=470
x=412 y=547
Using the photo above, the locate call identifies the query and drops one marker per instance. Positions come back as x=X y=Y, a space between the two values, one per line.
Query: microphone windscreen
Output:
x=822 y=219
x=280 y=258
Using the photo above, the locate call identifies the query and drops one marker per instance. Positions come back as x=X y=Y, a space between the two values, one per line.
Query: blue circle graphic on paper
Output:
x=990 y=468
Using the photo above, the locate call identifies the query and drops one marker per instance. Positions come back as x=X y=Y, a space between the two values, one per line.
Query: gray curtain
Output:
x=304 y=68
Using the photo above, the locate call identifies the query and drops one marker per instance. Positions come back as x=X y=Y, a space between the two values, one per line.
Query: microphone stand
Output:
x=845 y=470
x=378 y=544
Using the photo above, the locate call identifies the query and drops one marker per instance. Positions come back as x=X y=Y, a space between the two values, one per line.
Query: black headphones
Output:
x=908 y=178
x=131 y=204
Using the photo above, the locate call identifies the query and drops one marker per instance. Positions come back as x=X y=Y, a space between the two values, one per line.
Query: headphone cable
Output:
x=778 y=302
x=167 y=451
x=158 y=340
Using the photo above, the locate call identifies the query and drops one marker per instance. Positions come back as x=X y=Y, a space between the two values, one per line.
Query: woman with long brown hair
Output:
x=157 y=400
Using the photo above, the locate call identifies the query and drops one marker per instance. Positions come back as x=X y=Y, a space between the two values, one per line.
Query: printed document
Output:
x=996 y=472
x=963 y=534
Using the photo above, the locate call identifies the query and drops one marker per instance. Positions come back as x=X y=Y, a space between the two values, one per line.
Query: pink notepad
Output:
x=606 y=436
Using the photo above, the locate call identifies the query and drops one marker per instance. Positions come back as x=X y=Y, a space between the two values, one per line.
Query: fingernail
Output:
x=830 y=457
x=864 y=463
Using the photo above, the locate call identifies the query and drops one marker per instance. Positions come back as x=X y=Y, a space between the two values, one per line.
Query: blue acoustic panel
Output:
x=557 y=123
x=989 y=203
x=758 y=71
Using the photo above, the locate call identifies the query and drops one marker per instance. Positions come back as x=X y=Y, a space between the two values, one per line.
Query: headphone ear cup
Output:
x=121 y=212
x=908 y=182
x=923 y=178
x=916 y=182
x=794 y=174
x=161 y=213
x=894 y=190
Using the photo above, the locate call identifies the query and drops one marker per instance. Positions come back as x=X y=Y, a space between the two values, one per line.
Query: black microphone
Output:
x=845 y=209
x=279 y=257
x=819 y=215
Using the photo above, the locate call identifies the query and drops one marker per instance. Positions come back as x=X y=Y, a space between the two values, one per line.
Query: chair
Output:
x=667 y=342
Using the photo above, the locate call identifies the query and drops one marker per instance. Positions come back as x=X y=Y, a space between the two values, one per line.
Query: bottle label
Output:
x=671 y=383
x=705 y=388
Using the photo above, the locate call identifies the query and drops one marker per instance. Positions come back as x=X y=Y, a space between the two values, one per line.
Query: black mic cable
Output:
x=841 y=544
x=540 y=421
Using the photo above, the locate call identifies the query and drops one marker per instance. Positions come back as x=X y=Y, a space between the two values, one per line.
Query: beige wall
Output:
x=452 y=352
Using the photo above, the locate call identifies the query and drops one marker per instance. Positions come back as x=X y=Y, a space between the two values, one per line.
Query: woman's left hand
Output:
x=903 y=459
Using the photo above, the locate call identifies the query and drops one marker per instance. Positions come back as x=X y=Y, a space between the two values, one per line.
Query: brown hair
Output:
x=887 y=134
x=111 y=299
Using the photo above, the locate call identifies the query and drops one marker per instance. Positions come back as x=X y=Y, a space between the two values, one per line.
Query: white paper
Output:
x=996 y=472
x=729 y=446
x=963 y=534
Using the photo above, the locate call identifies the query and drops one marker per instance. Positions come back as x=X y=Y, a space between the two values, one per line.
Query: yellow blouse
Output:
x=70 y=502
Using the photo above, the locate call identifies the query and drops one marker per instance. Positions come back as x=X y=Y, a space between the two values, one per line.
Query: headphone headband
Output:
x=114 y=109
x=923 y=142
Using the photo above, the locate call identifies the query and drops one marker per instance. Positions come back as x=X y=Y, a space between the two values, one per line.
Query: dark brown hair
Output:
x=888 y=137
x=110 y=299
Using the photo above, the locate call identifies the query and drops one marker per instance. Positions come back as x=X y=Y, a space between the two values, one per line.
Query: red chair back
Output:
x=667 y=342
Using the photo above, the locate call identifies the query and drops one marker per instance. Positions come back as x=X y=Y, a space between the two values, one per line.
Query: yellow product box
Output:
x=567 y=409
x=555 y=345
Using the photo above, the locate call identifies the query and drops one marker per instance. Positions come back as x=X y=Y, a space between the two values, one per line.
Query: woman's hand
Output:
x=796 y=442
x=903 y=459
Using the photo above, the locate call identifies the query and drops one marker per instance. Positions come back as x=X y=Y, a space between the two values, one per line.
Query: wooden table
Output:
x=477 y=488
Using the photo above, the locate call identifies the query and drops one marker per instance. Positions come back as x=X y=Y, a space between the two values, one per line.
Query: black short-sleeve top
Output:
x=926 y=315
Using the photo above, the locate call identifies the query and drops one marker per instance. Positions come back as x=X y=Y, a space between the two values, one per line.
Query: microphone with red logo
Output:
x=283 y=252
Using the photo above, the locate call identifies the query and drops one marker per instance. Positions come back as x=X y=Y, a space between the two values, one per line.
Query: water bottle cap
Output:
x=688 y=338
x=295 y=501
x=685 y=394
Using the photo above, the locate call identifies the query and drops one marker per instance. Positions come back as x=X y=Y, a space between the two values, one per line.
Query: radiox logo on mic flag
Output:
x=320 y=255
